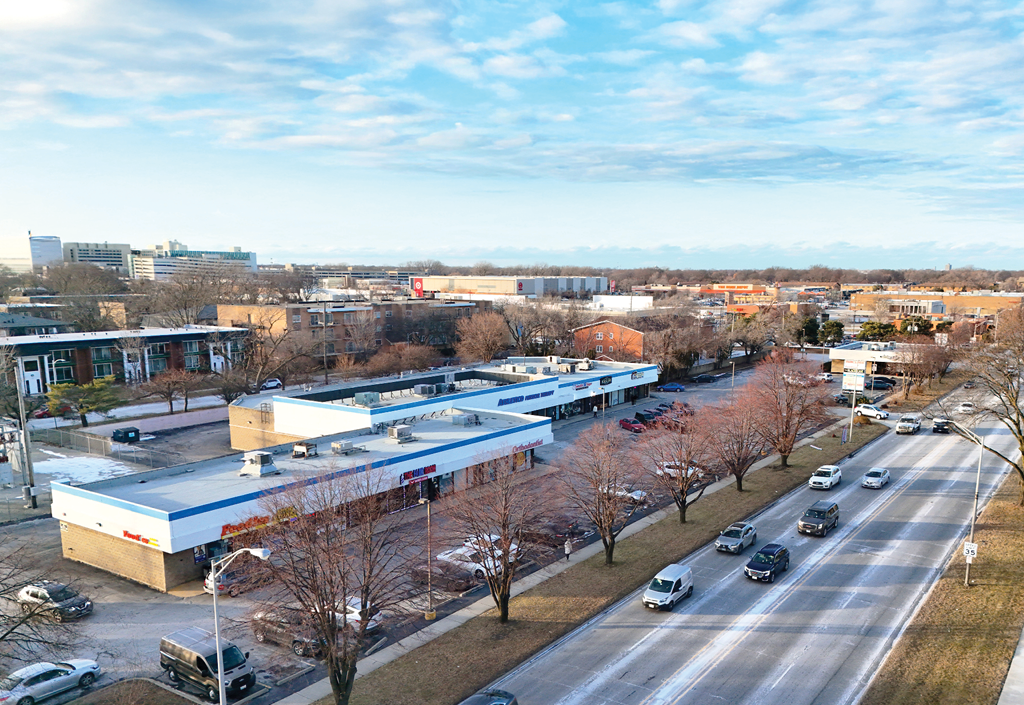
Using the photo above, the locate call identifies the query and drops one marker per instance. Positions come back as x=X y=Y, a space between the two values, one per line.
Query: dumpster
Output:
x=129 y=434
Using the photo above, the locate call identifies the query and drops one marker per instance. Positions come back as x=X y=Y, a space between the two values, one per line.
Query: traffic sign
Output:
x=970 y=550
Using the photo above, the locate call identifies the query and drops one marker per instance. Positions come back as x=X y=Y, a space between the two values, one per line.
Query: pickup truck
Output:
x=908 y=423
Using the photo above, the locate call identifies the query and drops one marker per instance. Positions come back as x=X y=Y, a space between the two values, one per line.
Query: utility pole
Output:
x=324 y=341
x=27 y=473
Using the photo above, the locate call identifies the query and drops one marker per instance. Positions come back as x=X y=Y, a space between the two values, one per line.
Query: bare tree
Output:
x=270 y=347
x=187 y=293
x=165 y=386
x=787 y=400
x=735 y=442
x=525 y=323
x=493 y=517
x=481 y=336
x=599 y=481
x=334 y=546
x=230 y=385
x=133 y=346
x=361 y=330
x=676 y=459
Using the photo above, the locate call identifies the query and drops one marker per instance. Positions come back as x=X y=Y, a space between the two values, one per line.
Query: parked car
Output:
x=940 y=425
x=286 y=626
x=736 y=537
x=646 y=417
x=825 y=377
x=821 y=517
x=485 y=542
x=44 y=680
x=871 y=410
x=450 y=577
x=491 y=697
x=470 y=559
x=968 y=385
x=704 y=379
x=767 y=563
x=45 y=413
x=883 y=385
x=875 y=478
x=966 y=407
x=844 y=399
x=826 y=477
x=555 y=532
x=631 y=425
x=230 y=582
x=272 y=383
x=634 y=496
x=671 y=387
x=56 y=600
x=908 y=423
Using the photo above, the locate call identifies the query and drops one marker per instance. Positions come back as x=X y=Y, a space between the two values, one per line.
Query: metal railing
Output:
x=102 y=445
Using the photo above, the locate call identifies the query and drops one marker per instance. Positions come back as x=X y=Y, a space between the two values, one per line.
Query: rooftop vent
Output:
x=304 y=450
x=258 y=463
x=402 y=433
x=366 y=398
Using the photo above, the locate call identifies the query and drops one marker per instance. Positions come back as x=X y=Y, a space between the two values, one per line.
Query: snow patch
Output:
x=80 y=470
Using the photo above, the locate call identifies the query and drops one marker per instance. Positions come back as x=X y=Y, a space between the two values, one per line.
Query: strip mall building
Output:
x=424 y=435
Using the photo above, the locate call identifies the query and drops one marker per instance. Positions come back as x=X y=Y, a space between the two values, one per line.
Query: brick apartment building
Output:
x=608 y=340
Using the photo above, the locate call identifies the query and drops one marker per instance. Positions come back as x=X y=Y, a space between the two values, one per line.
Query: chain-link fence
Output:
x=13 y=506
x=102 y=445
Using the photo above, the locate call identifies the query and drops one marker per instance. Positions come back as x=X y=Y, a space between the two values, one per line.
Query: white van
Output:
x=669 y=586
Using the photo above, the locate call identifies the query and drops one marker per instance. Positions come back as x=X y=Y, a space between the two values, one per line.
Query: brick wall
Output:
x=252 y=429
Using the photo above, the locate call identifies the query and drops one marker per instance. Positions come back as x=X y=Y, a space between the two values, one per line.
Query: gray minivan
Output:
x=190 y=655
x=669 y=586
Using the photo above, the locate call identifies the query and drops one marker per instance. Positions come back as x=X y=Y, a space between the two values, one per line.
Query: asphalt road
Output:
x=819 y=632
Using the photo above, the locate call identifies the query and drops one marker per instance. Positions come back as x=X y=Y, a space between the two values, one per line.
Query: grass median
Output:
x=959 y=646
x=462 y=661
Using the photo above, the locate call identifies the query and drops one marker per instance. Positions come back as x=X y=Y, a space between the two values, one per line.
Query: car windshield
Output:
x=233 y=658
x=814 y=514
x=874 y=473
x=732 y=533
x=10 y=682
x=658 y=585
x=763 y=558
x=823 y=473
x=63 y=595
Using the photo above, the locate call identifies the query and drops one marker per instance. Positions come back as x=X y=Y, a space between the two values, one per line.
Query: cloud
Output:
x=519 y=66
x=94 y=121
x=687 y=34
x=624 y=57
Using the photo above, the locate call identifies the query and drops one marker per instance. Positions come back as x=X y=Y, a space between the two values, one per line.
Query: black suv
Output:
x=54 y=599
x=821 y=517
x=940 y=426
x=772 y=559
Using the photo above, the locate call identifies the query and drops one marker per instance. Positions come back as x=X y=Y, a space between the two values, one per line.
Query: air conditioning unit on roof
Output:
x=258 y=463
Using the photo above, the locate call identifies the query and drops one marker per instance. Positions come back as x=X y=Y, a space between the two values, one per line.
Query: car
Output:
x=491 y=697
x=824 y=377
x=485 y=542
x=43 y=680
x=670 y=469
x=966 y=407
x=230 y=582
x=940 y=425
x=634 y=496
x=470 y=559
x=354 y=614
x=819 y=518
x=631 y=425
x=908 y=423
x=646 y=418
x=287 y=626
x=671 y=387
x=704 y=379
x=555 y=532
x=968 y=385
x=825 y=478
x=56 y=600
x=736 y=537
x=657 y=413
x=844 y=399
x=767 y=563
x=44 y=412
x=871 y=410
x=672 y=584
x=875 y=478
x=450 y=577
x=272 y=383
x=882 y=385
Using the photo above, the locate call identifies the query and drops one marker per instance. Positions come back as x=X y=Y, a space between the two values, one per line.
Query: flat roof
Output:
x=22 y=340
x=195 y=488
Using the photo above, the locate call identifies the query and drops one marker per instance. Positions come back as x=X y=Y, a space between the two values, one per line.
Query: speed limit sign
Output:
x=970 y=550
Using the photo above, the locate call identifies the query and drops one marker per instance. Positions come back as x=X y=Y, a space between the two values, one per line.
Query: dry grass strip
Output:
x=959 y=646
x=462 y=661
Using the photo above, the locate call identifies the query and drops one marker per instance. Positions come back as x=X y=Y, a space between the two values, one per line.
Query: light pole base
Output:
x=430 y=616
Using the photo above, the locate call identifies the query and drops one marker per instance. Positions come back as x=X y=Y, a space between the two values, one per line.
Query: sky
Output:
x=674 y=133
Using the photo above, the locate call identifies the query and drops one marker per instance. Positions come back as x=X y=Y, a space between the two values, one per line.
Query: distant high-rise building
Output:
x=948 y=267
x=32 y=254
x=111 y=255
x=161 y=262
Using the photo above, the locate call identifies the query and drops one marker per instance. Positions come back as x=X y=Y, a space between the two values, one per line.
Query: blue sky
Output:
x=674 y=133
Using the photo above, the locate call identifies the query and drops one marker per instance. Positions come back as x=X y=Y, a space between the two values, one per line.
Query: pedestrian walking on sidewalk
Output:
x=595 y=412
x=568 y=548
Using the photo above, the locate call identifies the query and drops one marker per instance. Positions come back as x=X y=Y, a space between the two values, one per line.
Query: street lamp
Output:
x=430 y=614
x=974 y=438
x=733 y=388
x=217 y=567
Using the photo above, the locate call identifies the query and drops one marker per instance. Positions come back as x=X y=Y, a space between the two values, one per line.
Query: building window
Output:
x=377 y=342
x=297 y=319
x=350 y=346
x=348 y=318
x=158 y=349
x=388 y=326
x=600 y=348
x=158 y=364
x=378 y=328
x=191 y=362
x=599 y=336
x=314 y=319
x=102 y=354
x=191 y=346
x=387 y=314
x=377 y=314
x=611 y=336
x=64 y=374
x=63 y=355
x=102 y=370
x=330 y=348
x=330 y=319
x=329 y=334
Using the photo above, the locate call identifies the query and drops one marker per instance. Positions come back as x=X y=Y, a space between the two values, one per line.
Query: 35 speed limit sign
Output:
x=970 y=550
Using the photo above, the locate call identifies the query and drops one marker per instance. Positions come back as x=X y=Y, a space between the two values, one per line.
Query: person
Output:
x=595 y=412
x=568 y=548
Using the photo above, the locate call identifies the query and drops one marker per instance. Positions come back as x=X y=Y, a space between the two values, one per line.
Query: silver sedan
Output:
x=875 y=478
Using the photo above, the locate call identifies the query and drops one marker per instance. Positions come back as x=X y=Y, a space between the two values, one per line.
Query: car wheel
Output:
x=298 y=648
x=57 y=616
x=27 y=701
x=173 y=676
x=26 y=607
x=689 y=591
x=824 y=531
x=233 y=592
x=212 y=695
x=87 y=680
x=771 y=577
x=478 y=574
x=260 y=635
x=786 y=566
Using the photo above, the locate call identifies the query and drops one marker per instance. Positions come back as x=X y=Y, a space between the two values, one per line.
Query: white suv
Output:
x=825 y=478
x=908 y=423
x=871 y=410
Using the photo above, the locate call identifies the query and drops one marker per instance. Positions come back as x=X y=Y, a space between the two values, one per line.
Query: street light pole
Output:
x=430 y=568
x=732 y=389
x=217 y=567
x=26 y=446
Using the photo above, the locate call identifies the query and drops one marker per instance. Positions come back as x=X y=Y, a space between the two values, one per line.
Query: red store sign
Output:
x=418 y=475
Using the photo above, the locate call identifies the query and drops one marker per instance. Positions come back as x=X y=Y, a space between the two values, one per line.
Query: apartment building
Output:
x=109 y=255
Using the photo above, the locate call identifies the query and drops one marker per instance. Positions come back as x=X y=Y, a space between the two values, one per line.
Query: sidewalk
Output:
x=370 y=663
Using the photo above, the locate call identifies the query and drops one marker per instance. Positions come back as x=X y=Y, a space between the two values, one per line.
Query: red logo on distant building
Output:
x=417 y=286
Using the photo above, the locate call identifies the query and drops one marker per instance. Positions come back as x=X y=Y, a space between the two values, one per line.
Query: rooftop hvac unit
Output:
x=465 y=420
x=257 y=463
x=554 y=359
x=343 y=447
x=366 y=398
x=304 y=450
x=426 y=390
x=585 y=364
x=401 y=433
x=531 y=370
x=567 y=369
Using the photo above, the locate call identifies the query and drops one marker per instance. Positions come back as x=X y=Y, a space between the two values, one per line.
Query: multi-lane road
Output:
x=819 y=632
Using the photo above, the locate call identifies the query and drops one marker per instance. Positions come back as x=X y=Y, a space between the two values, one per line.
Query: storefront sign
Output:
x=418 y=475
x=527 y=446
x=525 y=397
x=141 y=539
x=199 y=554
x=637 y=375
x=247 y=525
x=605 y=381
x=578 y=387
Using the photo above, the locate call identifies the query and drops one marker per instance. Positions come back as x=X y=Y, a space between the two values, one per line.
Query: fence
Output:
x=101 y=445
x=13 y=508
